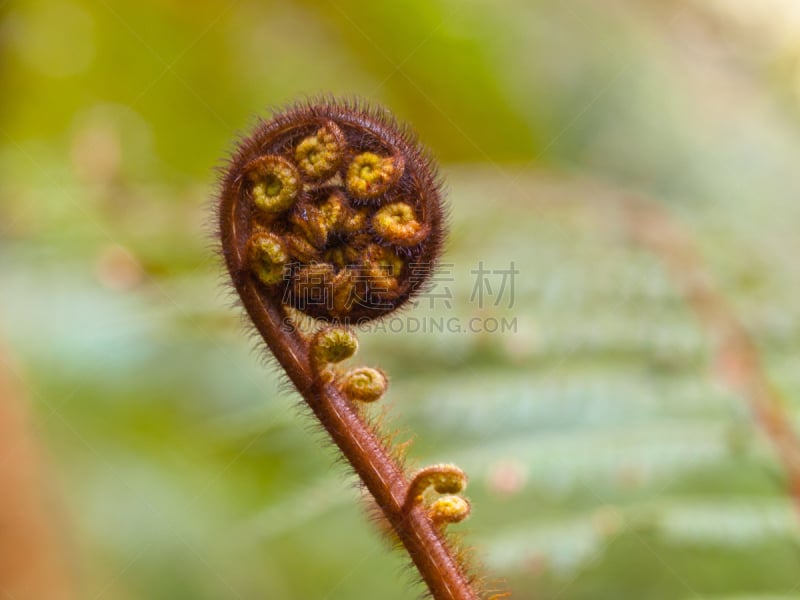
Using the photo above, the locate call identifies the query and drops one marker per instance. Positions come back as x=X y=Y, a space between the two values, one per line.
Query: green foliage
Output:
x=606 y=457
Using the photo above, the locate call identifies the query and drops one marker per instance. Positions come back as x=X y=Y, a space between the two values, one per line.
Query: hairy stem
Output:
x=333 y=210
x=377 y=469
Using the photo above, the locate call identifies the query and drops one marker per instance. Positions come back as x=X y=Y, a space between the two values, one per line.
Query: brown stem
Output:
x=333 y=199
x=381 y=474
x=32 y=557
x=737 y=354
x=377 y=469
x=647 y=223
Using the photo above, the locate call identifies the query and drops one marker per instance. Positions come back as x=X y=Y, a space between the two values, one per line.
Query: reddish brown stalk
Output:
x=378 y=470
x=647 y=223
x=31 y=557
x=737 y=355
x=336 y=194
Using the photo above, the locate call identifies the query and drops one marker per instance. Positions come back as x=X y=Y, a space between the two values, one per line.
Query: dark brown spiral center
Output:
x=339 y=212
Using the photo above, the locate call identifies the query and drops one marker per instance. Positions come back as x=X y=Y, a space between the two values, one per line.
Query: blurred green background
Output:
x=608 y=459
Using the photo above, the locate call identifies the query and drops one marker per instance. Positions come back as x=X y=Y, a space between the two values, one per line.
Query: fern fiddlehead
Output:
x=332 y=211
